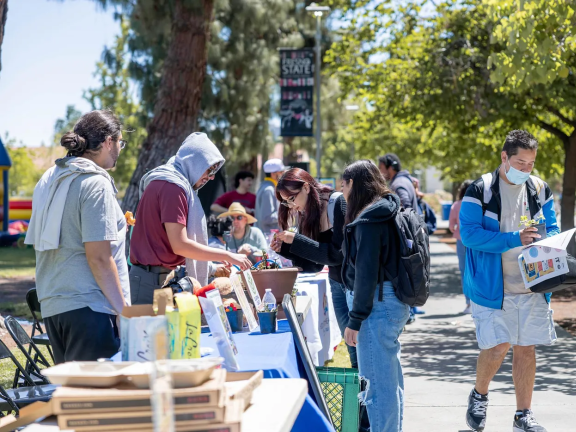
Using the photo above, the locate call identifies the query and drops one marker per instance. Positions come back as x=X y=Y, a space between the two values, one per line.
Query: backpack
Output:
x=412 y=285
x=556 y=283
x=332 y=205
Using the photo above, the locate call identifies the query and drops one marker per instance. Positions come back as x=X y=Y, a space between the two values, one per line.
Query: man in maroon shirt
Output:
x=243 y=183
x=170 y=225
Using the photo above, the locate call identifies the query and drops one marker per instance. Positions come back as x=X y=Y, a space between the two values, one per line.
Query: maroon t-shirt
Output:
x=162 y=202
x=248 y=200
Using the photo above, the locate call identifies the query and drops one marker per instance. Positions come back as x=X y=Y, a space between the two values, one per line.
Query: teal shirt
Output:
x=253 y=237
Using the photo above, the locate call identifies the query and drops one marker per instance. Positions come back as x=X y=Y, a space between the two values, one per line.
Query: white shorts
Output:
x=525 y=320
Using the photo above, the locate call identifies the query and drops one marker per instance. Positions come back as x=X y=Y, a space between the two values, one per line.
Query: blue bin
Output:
x=446 y=206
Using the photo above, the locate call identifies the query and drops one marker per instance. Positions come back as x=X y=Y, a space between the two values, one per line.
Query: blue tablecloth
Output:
x=276 y=355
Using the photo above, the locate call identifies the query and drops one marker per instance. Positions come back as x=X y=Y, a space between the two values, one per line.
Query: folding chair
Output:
x=34 y=306
x=14 y=399
x=32 y=364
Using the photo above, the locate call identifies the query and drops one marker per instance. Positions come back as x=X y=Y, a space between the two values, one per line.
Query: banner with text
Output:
x=296 y=89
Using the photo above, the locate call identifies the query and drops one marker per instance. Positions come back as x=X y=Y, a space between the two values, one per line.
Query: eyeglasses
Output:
x=123 y=144
x=238 y=218
x=213 y=170
x=290 y=201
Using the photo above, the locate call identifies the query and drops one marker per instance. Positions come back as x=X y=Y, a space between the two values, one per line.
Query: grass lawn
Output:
x=16 y=309
x=7 y=368
x=16 y=262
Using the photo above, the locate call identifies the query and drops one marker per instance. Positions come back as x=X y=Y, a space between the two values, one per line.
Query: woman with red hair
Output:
x=319 y=213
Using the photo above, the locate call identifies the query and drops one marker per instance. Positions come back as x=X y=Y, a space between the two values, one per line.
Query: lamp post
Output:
x=318 y=11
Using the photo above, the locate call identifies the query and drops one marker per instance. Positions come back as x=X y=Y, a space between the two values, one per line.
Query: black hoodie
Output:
x=369 y=241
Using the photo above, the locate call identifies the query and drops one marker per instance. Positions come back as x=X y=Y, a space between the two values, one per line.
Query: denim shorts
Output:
x=524 y=320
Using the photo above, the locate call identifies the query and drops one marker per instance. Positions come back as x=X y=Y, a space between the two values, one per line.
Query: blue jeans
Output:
x=341 y=311
x=461 y=252
x=379 y=360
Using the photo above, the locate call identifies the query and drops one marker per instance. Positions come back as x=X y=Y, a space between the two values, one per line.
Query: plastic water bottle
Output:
x=269 y=299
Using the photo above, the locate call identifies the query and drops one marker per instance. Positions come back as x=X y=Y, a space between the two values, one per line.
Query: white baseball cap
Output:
x=274 y=165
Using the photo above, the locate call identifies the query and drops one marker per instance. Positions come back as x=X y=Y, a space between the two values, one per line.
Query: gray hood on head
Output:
x=196 y=155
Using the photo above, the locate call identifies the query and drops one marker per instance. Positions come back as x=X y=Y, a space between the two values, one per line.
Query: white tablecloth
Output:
x=320 y=326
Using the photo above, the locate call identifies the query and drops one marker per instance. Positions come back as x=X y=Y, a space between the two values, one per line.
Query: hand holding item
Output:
x=351 y=337
x=240 y=260
x=222 y=271
x=286 y=236
x=528 y=235
x=245 y=249
x=276 y=245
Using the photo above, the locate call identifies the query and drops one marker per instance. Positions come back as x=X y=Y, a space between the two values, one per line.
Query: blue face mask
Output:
x=516 y=176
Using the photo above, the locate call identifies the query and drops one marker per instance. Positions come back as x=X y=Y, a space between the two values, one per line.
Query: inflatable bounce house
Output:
x=15 y=212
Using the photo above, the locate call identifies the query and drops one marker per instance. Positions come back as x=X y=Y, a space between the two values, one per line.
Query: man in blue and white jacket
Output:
x=505 y=313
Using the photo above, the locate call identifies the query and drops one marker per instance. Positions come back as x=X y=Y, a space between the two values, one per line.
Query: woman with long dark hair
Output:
x=372 y=250
x=320 y=213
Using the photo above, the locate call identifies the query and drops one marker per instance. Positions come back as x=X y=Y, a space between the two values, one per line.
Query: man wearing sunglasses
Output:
x=171 y=226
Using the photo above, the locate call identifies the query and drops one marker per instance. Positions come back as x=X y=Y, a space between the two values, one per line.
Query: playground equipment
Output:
x=12 y=210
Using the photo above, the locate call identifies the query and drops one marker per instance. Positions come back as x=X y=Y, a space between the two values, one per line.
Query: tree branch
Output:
x=561 y=116
x=553 y=130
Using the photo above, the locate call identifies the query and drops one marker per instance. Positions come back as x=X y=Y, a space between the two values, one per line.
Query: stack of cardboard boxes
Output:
x=216 y=405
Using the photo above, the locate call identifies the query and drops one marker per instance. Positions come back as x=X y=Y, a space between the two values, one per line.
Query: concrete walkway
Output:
x=439 y=355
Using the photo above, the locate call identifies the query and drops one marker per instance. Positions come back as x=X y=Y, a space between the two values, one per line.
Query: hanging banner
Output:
x=296 y=90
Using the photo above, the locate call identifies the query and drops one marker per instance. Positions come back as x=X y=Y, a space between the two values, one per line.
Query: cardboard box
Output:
x=137 y=420
x=241 y=385
x=73 y=400
x=29 y=414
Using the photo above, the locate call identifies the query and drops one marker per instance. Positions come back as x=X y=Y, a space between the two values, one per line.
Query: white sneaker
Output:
x=468 y=310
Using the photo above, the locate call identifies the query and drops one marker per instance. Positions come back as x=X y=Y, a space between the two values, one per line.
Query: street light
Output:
x=318 y=11
x=353 y=108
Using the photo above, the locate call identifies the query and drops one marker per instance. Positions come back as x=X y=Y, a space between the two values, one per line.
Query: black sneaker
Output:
x=526 y=423
x=476 y=414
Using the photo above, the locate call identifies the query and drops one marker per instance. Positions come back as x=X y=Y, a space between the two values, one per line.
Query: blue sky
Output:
x=49 y=56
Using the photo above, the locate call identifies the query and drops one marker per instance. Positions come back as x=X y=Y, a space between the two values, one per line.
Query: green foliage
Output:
x=115 y=93
x=422 y=71
x=539 y=41
x=23 y=175
x=66 y=124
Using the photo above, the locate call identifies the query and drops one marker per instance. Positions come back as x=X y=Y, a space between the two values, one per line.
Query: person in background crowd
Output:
x=243 y=238
x=218 y=229
x=266 y=202
x=505 y=313
x=454 y=226
x=243 y=181
x=321 y=213
x=170 y=225
x=376 y=317
x=400 y=182
x=79 y=232
x=427 y=212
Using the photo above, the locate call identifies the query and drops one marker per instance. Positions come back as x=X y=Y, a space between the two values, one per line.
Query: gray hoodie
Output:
x=194 y=157
x=266 y=207
x=402 y=186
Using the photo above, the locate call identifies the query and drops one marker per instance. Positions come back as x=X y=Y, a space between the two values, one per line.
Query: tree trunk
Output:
x=178 y=101
x=3 y=16
x=569 y=189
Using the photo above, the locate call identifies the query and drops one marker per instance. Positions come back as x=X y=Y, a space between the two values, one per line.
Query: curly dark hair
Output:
x=519 y=139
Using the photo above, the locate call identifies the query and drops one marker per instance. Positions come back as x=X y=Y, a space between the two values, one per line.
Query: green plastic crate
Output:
x=341 y=387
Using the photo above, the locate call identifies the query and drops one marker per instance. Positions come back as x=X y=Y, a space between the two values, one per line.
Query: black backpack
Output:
x=412 y=285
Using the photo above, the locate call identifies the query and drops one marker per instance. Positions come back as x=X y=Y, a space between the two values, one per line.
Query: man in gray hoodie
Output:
x=171 y=226
x=399 y=181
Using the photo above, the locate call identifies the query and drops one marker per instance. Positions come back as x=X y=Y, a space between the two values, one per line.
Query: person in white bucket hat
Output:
x=266 y=202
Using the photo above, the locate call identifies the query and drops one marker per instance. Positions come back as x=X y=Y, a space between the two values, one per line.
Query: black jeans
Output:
x=82 y=335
